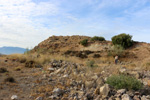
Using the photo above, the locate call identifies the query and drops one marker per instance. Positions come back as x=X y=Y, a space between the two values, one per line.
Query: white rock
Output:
x=39 y=98
x=121 y=91
x=126 y=97
x=104 y=90
x=66 y=76
x=14 y=97
x=57 y=91
x=50 y=69
x=123 y=70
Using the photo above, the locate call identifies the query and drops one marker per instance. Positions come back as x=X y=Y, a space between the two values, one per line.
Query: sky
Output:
x=25 y=23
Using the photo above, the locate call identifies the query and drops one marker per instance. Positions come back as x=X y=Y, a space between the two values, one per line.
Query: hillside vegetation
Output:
x=62 y=68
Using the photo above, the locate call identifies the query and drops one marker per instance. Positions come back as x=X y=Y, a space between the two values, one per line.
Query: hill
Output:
x=60 y=68
x=11 y=50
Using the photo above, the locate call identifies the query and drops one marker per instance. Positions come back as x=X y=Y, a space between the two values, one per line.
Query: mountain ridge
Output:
x=11 y=50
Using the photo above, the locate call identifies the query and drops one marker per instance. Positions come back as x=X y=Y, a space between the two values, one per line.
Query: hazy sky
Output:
x=25 y=23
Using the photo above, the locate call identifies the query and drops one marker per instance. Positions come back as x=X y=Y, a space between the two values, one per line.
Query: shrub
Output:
x=91 y=64
x=17 y=68
x=30 y=64
x=96 y=55
x=84 y=42
x=96 y=38
x=116 y=50
x=124 y=82
x=81 y=55
x=3 y=70
x=125 y=40
x=10 y=79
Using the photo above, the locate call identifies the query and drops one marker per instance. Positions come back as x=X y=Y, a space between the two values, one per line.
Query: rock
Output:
x=95 y=77
x=97 y=90
x=123 y=69
x=126 y=97
x=135 y=74
x=66 y=76
x=89 y=84
x=121 y=91
x=98 y=97
x=104 y=90
x=144 y=98
x=51 y=69
x=39 y=98
x=100 y=82
x=136 y=97
x=14 y=97
x=89 y=96
x=117 y=99
x=58 y=92
x=58 y=71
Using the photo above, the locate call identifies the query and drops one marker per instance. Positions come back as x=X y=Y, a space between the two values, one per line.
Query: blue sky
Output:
x=25 y=23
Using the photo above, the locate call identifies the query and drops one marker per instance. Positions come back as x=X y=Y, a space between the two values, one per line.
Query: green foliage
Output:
x=27 y=51
x=96 y=38
x=84 y=42
x=116 y=50
x=124 y=82
x=91 y=64
x=125 y=40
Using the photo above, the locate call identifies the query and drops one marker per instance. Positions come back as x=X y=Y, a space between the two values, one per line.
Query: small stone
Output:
x=121 y=91
x=14 y=97
x=57 y=92
x=122 y=70
x=51 y=69
x=66 y=76
x=39 y=98
x=89 y=84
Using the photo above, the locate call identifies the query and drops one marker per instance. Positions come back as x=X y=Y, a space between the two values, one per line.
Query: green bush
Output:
x=116 y=50
x=125 y=40
x=84 y=42
x=96 y=38
x=124 y=82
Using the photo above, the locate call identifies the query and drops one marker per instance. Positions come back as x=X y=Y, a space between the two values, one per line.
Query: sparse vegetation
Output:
x=116 y=50
x=10 y=79
x=3 y=70
x=124 y=82
x=96 y=38
x=17 y=68
x=96 y=55
x=125 y=40
x=91 y=63
x=30 y=64
x=84 y=42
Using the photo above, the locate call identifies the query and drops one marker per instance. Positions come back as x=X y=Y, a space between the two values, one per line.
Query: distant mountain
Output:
x=11 y=50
